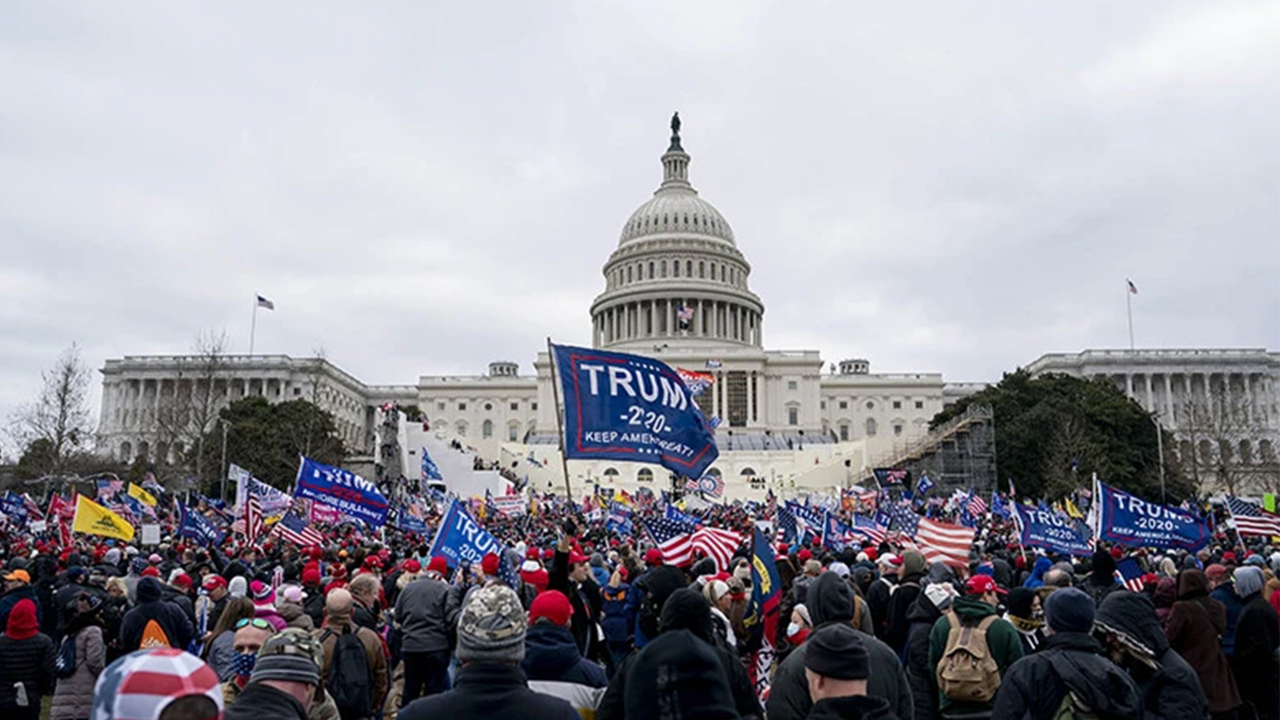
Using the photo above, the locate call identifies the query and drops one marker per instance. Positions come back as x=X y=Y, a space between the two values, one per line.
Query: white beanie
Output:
x=238 y=587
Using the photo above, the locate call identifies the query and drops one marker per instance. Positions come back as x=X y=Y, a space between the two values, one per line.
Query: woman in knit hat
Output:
x=73 y=697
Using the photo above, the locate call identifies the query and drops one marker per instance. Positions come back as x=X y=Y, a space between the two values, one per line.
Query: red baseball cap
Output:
x=552 y=605
x=489 y=564
x=982 y=584
x=576 y=558
x=213 y=581
x=438 y=564
x=653 y=556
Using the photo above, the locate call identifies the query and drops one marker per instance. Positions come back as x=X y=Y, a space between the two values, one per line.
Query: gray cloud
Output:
x=422 y=189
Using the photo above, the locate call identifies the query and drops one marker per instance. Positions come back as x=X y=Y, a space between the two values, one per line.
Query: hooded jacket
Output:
x=1037 y=572
x=1035 y=686
x=1002 y=640
x=1256 y=667
x=151 y=606
x=12 y=597
x=73 y=697
x=1171 y=690
x=1196 y=621
x=28 y=660
x=1225 y=593
x=830 y=600
x=1102 y=577
x=896 y=623
x=491 y=691
x=921 y=676
x=555 y=667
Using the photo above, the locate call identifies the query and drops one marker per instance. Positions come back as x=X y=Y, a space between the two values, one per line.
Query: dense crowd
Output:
x=597 y=624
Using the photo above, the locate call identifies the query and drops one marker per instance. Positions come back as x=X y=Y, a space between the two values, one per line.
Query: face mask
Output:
x=742 y=573
x=243 y=663
x=792 y=629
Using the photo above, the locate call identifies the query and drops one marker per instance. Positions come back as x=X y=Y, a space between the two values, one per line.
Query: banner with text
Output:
x=1046 y=529
x=1130 y=520
x=345 y=491
x=631 y=408
x=460 y=538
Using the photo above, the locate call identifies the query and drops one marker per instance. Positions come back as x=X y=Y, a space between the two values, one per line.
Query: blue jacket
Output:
x=601 y=575
x=1226 y=594
x=616 y=622
x=551 y=654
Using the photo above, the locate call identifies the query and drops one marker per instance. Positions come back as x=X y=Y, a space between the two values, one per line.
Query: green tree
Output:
x=1054 y=431
x=267 y=439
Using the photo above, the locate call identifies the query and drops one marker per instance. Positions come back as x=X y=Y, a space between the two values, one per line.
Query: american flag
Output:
x=1129 y=573
x=252 y=518
x=788 y=530
x=295 y=530
x=674 y=539
x=939 y=542
x=869 y=529
x=977 y=506
x=717 y=544
x=904 y=520
x=1251 y=519
x=708 y=484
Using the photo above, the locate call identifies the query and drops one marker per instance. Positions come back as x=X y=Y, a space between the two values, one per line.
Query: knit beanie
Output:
x=22 y=621
x=837 y=651
x=1070 y=610
x=913 y=563
x=492 y=627
x=678 y=675
x=292 y=655
x=238 y=587
x=1249 y=580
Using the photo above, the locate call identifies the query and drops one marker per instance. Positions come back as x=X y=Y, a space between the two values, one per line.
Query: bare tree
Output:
x=1228 y=436
x=59 y=418
x=189 y=405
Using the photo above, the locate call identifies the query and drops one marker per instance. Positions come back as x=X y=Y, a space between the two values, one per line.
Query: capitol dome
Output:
x=677 y=274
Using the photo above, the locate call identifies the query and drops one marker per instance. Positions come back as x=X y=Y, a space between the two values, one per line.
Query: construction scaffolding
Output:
x=959 y=454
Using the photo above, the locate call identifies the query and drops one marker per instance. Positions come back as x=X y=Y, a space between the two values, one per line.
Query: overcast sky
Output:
x=424 y=187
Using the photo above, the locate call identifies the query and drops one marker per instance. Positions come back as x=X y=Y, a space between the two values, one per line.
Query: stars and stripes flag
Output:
x=788 y=530
x=265 y=303
x=295 y=530
x=717 y=544
x=977 y=506
x=1251 y=519
x=1129 y=573
x=252 y=518
x=937 y=541
x=673 y=538
x=1133 y=289
x=869 y=529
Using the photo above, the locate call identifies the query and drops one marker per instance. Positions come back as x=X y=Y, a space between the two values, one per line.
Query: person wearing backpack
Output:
x=1069 y=676
x=970 y=648
x=81 y=658
x=154 y=622
x=355 y=665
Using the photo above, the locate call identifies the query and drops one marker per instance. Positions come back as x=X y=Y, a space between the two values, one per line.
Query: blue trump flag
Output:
x=1130 y=520
x=1050 y=531
x=765 y=607
x=429 y=469
x=461 y=539
x=196 y=526
x=351 y=494
x=631 y=408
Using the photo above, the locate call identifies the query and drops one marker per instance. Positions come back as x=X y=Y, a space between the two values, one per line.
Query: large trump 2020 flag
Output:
x=631 y=408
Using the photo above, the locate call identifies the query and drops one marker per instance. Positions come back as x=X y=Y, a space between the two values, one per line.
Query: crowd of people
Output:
x=598 y=624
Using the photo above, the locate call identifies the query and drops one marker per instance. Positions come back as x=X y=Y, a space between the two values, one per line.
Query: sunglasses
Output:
x=256 y=622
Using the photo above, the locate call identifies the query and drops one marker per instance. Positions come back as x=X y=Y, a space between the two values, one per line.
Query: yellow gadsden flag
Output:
x=137 y=493
x=93 y=519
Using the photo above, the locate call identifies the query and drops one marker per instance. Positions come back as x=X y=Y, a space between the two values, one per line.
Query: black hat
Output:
x=837 y=651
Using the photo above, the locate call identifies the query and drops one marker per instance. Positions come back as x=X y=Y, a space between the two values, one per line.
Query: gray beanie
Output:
x=291 y=654
x=1249 y=580
x=238 y=587
x=492 y=627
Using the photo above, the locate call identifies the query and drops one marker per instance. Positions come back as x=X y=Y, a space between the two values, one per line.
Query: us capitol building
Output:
x=676 y=289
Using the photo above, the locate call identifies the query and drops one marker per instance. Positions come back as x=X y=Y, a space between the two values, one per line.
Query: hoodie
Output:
x=1169 y=686
x=830 y=600
x=555 y=667
x=1002 y=639
x=1037 y=572
x=1036 y=685
x=26 y=657
x=151 y=606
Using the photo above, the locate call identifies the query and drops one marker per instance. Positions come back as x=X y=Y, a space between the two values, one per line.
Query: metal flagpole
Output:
x=252 y=326
x=555 y=390
x=1128 y=302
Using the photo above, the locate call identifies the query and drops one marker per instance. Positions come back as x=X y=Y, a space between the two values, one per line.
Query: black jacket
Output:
x=922 y=678
x=27 y=661
x=171 y=618
x=551 y=654
x=896 y=623
x=1173 y=689
x=853 y=707
x=12 y=597
x=829 y=600
x=878 y=600
x=1256 y=668
x=491 y=691
x=263 y=702
x=1035 y=686
x=585 y=599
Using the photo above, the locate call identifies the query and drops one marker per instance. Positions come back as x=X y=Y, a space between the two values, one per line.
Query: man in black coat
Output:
x=1127 y=626
x=571 y=575
x=924 y=613
x=1069 y=661
x=830 y=600
x=63 y=598
x=152 y=606
x=881 y=590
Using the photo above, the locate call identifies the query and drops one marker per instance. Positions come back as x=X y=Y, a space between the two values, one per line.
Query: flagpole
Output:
x=1128 y=302
x=555 y=390
x=252 y=326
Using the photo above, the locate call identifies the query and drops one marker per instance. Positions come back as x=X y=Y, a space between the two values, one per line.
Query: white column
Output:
x=1128 y=383
x=751 y=397
x=1151 y=401
x=1168 y=399
x=715 y=396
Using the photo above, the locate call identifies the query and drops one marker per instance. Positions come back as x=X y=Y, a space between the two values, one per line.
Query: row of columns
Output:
x=659 y=318
x=720 y=397
x=1256 y=393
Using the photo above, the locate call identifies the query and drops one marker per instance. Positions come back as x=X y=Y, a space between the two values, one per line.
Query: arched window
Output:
x=871 y=427
x=1266 y=451
x=628 y=273
x=663 y=267
x=675 y=268
x=688 y=268
x=144 y=451
x=844 y=430
x=702 y=269
x=645 y=475
x=611 y=474
x=486 y=429
x=651 y=270
x=714 y=472
x=126 y=452
x=713 y=271
x=461 y=428
x=513 y=431
x=747 y=472
x=1246 y=452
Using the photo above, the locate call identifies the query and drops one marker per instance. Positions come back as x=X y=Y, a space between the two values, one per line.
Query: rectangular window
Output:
x=897 y=404
x=791 y=384
x=736 y=390
x=919 y=404
x=439 y=406
x=533 y=406
x=844 y=404
x=793 y=416
x=897 y=429
x=512 y=432
x=297 y=391
x=462 y=406
x=823 y=405
x=515 y=406
x=844 y=433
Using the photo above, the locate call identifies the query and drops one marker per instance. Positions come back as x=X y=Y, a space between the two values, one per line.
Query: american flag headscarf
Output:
x=140 y=685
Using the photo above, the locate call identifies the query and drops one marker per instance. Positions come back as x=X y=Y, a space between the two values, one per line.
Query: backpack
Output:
x=1071 y=708
x=350 y=679
x=649 y=616
x=967 y=671
x=65 y=663
x=154 y=636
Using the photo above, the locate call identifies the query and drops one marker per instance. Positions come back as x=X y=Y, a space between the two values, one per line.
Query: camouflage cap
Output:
x=291 y=654
x=492 y=626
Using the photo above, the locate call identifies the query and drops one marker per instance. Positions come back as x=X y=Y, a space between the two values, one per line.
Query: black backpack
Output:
x=350 y=680
x=65 y=663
